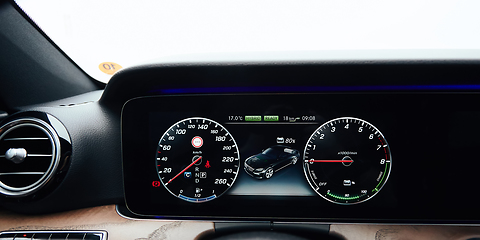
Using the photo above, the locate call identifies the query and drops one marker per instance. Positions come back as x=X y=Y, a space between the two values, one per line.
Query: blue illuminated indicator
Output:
x=196 y=199
x=316 y=89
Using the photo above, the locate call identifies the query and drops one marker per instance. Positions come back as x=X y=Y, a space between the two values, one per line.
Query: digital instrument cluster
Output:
x=346 y=160
x=298 y=157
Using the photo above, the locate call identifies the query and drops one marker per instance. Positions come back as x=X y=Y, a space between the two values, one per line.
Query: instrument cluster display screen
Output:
x=294 y=157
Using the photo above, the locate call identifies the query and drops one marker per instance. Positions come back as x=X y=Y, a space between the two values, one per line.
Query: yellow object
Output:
x=109 y=67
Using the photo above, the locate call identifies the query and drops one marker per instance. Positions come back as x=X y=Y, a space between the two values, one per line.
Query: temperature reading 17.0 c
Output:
x=235 y=118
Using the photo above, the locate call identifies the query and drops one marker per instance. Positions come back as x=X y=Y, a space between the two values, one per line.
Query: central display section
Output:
x=295 y=157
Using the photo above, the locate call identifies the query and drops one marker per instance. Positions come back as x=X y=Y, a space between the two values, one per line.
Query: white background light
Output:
x=133 y=32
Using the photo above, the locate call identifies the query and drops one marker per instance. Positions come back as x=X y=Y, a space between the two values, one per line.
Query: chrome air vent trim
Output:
x=16 y=135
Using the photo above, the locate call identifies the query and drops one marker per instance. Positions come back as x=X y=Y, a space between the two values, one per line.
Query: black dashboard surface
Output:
x=426 y=111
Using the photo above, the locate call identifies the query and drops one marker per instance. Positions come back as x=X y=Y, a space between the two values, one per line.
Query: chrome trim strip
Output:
x=103 y=234
x=290 y=163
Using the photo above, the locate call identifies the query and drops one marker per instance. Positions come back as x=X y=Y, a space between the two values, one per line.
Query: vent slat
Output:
x=39 y=155
x=22 y=173
x=25 y=138
x=33 y=155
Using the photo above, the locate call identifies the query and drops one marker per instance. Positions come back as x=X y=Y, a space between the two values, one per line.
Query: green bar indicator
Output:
x=270 y=118
x=253 y=118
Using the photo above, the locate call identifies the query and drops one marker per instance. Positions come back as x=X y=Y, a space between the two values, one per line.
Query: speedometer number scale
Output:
x=347 y=160
x=197 y=159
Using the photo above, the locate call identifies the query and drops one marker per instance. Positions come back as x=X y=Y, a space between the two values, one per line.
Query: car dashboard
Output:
x=351 y=144
x=363 y=146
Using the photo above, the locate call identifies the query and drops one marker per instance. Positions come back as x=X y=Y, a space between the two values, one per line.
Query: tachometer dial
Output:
x=197 y=159
x=347 y=160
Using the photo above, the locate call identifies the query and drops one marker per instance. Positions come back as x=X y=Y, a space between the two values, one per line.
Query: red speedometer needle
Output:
x=198 y=159
x=345 y=161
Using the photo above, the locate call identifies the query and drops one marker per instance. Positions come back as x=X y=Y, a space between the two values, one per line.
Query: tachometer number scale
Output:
x=197 y=159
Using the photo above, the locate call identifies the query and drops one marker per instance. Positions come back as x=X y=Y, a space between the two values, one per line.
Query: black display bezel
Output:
x=420 y=128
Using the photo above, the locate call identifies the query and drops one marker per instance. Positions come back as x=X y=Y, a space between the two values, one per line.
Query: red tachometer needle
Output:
x=345 y=161
x=198 y=159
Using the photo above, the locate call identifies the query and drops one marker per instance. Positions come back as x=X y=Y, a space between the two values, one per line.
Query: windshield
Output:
x=272 y=153
x=104 y=36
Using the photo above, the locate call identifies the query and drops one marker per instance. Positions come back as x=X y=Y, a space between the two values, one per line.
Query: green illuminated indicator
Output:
x=343 y=198
x=381 y=180
x=270 y=118
x=253 y=118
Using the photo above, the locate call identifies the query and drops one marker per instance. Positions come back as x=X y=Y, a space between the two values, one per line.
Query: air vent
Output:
x=29 y=156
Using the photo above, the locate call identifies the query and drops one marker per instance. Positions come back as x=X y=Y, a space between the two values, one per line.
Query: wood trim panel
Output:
x=119 y=228
x=411 y=232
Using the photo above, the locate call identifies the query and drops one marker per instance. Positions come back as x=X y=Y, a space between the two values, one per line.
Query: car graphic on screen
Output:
x=271 y=160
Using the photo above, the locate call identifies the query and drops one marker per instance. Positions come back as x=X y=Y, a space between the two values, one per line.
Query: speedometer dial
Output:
x=197 y=159
x=347 y=160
